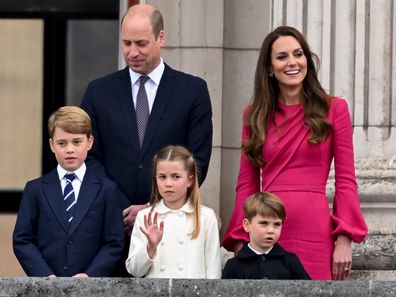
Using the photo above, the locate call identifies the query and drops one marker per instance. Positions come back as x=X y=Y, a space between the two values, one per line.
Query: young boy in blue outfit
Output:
x=263 y=257
x=70 y=220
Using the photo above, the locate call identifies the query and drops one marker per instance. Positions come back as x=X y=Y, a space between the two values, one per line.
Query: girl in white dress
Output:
x=176 y=237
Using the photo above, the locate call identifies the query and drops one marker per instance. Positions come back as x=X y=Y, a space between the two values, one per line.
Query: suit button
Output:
x=65 y=267
x=70 y=241
x=180 y=267
x=263 y=258
x=162 y=268
x=140 y=166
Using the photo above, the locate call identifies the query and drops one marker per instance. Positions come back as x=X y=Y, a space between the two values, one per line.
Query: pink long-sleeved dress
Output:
x=297 y=172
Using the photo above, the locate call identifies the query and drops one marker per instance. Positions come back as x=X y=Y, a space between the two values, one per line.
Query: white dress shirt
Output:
x=80 y=172
x=151 y=85
x=177 y=255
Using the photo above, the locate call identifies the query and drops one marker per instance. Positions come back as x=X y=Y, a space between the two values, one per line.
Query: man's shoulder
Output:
x=108 y=78
x=182 y=75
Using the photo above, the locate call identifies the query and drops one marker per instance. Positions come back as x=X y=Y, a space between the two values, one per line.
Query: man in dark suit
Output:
x=78 y=233
x=180 y=112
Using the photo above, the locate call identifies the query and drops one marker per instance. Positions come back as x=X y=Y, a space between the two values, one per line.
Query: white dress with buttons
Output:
x=177 y=256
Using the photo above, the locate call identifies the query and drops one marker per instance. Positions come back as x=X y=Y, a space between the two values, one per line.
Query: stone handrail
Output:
x=121 y=287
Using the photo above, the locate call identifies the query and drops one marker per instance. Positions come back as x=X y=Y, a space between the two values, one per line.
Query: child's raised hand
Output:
x=153 y=232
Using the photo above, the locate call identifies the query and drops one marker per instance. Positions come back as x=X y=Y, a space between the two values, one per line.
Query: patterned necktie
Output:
x=142 y=109
x=69 y=197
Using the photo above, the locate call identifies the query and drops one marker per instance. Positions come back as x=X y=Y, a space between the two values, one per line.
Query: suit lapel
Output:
x=53 y=194
x=88 y=192
x=127 y=109
x=162 y=98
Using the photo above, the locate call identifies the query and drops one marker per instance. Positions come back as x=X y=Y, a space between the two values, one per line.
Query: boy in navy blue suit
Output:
x=81 y=234
x=263 y=257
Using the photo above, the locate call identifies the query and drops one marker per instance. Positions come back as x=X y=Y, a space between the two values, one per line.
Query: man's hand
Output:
x=129 y=215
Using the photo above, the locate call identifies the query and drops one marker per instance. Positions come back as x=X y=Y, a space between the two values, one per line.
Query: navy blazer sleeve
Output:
x=112 y=236
x=25 y=235
x=200 y=131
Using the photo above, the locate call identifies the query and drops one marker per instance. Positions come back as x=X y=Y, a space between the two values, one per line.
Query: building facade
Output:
x=219 y=40
x=356 y=43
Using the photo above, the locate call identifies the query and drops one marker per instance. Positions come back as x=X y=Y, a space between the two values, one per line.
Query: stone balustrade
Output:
x=117 y=287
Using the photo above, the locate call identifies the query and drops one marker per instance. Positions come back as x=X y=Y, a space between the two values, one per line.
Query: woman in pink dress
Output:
x=292 y=130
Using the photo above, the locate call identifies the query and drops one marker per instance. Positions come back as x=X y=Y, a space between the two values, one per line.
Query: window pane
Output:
x=92 y=52
x=21 y=72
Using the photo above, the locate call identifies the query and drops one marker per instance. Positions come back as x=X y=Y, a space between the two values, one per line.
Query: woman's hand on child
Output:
x=153 y=232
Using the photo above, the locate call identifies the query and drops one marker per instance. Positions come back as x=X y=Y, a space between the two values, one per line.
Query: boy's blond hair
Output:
x=71 y=119
x=265 y=204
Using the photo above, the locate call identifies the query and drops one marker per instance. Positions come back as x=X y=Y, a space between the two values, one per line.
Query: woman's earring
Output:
x=271 y=74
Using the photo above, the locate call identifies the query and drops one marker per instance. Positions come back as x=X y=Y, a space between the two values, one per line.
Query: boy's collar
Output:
x=257 y=252
x=247 y=252
x=80 y=172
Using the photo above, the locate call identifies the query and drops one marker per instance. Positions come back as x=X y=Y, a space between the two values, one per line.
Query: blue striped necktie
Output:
x=69 y=197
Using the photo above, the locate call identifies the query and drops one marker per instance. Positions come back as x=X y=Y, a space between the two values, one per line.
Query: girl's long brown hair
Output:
x=266 y=93
x=179 y=153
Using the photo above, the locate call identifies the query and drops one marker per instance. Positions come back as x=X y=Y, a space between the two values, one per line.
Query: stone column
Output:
x=355 y=41
x=194 y=44
x=246 y=23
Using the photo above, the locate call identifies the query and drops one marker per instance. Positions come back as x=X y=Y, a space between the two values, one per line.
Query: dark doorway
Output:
x=80 y=44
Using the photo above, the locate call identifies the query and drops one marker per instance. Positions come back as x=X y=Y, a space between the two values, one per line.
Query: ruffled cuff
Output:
x=356 y=232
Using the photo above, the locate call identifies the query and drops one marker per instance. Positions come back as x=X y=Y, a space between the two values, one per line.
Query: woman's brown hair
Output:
x=316 y=101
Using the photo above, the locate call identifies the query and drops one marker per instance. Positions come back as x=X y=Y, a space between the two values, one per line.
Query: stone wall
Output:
x=356 y=44
x=103 y=287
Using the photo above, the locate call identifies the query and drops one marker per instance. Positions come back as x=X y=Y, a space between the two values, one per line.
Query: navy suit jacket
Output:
x=181 y=115
x=45 y=244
